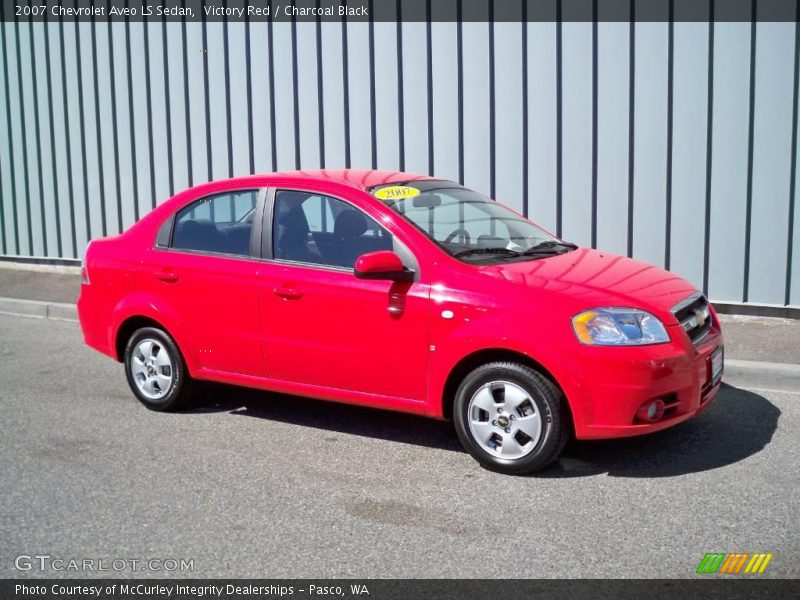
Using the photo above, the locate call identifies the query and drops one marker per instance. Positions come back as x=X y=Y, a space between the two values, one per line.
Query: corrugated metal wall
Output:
x=672 y=142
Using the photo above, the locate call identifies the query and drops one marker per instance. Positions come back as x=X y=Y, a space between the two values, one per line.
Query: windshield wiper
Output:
x=543 y=248
x=548 y=247
x=497 y=250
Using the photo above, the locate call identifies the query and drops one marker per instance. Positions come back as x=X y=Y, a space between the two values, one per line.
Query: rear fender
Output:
x=142 y=304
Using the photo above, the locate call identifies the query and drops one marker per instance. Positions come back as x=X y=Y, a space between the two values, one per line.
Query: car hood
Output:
x=587 y=278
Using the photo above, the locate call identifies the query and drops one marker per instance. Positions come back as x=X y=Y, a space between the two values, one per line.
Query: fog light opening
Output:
x=651 y=411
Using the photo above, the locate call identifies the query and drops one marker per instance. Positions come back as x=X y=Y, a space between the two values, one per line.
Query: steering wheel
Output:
x=454 y=234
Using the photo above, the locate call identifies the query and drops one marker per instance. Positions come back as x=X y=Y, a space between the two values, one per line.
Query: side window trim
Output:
x=266 y=254
x=168 y=226
x=266 y=224
x=164 y=235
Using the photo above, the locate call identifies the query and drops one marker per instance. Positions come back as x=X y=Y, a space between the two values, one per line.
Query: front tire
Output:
x=510 y=418
x=156 y=371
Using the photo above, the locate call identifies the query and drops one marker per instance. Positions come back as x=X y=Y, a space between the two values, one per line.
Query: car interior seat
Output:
x=348 y=231
x=292 y=240
x=198 y=234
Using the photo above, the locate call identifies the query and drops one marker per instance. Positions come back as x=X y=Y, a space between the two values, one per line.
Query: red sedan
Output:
x=401 y=292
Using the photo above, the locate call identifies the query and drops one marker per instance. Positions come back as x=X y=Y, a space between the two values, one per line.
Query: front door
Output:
x=321 y=325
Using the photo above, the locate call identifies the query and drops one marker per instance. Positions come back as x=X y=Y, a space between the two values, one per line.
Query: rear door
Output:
x=208 y=273
x=324 y=327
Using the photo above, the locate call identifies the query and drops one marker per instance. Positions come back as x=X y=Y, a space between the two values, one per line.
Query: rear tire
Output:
x=511 y=418
x=156 y=371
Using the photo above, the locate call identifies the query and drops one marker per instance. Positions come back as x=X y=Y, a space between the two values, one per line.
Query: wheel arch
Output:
x=488 y=355
x=143 y=310
x=126 y=329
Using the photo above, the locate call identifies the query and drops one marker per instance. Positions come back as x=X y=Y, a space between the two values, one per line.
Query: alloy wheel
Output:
x=152 y=368
x=504 y=420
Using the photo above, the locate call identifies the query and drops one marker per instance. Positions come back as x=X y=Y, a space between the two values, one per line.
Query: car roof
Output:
x=362 y=179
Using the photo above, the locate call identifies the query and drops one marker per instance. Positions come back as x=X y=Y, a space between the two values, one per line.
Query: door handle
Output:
x=288 y=293
x=166 y=276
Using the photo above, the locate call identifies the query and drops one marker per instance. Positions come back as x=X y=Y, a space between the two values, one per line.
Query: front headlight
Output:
x=612 y=326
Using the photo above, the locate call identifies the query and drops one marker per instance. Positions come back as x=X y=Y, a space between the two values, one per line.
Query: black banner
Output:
x=386 y=589
x=400 y=10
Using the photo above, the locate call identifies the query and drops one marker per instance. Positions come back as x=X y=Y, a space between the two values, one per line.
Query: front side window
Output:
x=466 y=224
x=317 y=229
x=219 y=224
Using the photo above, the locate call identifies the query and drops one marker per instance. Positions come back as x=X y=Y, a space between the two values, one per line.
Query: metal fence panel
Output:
x=672 y=142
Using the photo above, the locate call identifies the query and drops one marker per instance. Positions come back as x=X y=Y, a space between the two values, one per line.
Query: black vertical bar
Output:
x=131 y=119
x=401 y=118
x=9 y=147
x=37 y=138
x=295 y=95
x=345 y=90
x=226 y=61
x=793 y=177
x=429 y=47
x=24 y=139
x=460 y=76
x=559 y=123
x=209 y=163
x=2 y=210
x=273 y=141
x=321 y=97
x=492 y=132
x=750 y=126
x=14 y=196
x=249 y=76
x=595 y=62
x=524 y=100
x=82 y=123
x=67 y=139
x=187 y=106
x=670 y=104
x=2 y=200
x=167 y=104
x=709 y=148
x=114 y=124
x=149 y=105
x=98 y=132
x=631 y=120
x=460 y=59
x=373 y=124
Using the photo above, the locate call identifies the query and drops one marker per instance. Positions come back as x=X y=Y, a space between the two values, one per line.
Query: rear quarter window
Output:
x=219 y=224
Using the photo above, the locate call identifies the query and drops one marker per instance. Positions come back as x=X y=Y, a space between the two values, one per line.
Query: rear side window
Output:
x=317 y=229
x=220 y=224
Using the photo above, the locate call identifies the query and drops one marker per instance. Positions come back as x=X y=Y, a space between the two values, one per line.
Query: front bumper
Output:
x=605 y=396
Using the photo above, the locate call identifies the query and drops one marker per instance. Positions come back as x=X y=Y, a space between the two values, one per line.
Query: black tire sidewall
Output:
x=179 y=374
x=544 y=395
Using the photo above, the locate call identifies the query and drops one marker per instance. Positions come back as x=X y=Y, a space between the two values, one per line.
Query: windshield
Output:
x=466 y=224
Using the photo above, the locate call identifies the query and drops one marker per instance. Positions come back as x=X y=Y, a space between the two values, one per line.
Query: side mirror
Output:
x=383 y=264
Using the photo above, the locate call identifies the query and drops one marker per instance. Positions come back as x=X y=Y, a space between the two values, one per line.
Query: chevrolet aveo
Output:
x=401 y=292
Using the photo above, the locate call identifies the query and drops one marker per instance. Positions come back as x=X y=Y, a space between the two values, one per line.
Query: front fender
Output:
x=460 y=345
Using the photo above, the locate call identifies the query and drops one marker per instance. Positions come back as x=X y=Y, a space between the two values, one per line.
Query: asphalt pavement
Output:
x=251 y=484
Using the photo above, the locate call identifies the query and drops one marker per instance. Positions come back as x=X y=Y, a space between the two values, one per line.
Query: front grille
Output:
x=694 y=316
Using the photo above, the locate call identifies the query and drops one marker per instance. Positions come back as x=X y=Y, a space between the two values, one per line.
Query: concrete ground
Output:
x=762 y=338
x=29 y=282
x=251 y=484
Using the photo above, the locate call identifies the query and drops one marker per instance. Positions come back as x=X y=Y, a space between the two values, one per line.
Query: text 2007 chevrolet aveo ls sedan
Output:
x=401 y=292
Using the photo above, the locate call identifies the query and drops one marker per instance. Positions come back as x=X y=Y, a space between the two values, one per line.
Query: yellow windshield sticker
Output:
x=396 y=192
